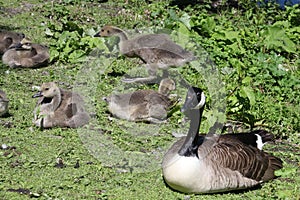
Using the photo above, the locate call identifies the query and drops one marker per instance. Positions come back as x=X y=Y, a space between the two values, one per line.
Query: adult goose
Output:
x=143 y=105
x=157 y=51
x=8 y=39
x=215 y=163
x=3 y=103
x=59 y=108
x=26 y=54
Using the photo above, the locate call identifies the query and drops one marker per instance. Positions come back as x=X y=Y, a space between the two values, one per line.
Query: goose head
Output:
x=48 y=90
x=166 y=86
x=194 y=101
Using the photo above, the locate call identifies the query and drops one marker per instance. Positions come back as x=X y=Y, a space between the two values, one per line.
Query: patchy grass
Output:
x=110 y=159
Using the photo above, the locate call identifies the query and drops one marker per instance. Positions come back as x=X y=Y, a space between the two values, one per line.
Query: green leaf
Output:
x=275 y=37
x=186 y=19
x=248 y=92
x=247 y=80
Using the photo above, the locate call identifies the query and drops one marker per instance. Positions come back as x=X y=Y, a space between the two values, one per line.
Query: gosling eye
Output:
x=46 y=89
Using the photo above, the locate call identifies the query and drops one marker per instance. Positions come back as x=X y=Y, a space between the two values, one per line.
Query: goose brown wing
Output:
x=248 y=160
x=250 y=138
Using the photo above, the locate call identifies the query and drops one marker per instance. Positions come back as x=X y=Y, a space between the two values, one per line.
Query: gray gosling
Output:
x=3 y=103
x=8 y=39
x=143 y=105
x=216 y=163
x=26 y=54
x=157 y=51
x=59 y=108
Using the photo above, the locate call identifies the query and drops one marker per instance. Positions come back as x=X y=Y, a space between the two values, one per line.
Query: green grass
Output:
x=261 y=86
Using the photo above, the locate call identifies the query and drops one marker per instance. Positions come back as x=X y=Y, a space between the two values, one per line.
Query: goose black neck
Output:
x=193 y=140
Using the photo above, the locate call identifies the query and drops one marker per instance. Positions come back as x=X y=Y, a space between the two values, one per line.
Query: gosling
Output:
x=26 y=54
x=59 y=108
x=157 y=51
x=143 y=105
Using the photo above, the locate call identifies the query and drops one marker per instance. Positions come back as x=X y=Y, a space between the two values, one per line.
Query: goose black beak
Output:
x=39 y=94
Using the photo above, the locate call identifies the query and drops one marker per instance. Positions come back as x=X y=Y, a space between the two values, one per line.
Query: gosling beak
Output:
x=39 y=94
x=97 y=35
x=16 y=46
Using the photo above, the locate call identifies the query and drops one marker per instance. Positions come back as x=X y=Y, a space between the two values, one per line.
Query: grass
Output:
x=107 y=149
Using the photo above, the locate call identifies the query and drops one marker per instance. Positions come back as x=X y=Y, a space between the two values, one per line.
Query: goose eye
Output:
x=27 y=44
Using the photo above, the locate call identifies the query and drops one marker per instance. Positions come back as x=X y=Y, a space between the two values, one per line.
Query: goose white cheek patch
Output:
x=259 y=142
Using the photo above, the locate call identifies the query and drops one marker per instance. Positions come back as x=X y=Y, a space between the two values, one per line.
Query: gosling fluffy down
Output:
x=27 y=55
x=143 y=105
x=59 y=108
x=8 y=39
x=157 y=51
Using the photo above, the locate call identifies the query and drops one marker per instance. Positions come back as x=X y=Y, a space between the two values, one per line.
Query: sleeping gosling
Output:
x=143 y=105
x=27 y=55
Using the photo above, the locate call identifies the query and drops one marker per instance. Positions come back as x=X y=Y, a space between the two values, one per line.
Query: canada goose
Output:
x=157 y=51
x=143 y=105
x=58 y=107
x=215 y=163
x=3 y=103
x=26 y=54
x=8 y=39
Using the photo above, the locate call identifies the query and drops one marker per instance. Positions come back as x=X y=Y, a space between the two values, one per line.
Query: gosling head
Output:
x=25 y=44
x=166 y=86
x=48 y=90
x=107 y=31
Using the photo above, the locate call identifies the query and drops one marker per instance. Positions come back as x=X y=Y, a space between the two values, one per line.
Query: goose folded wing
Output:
x=235 y=155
